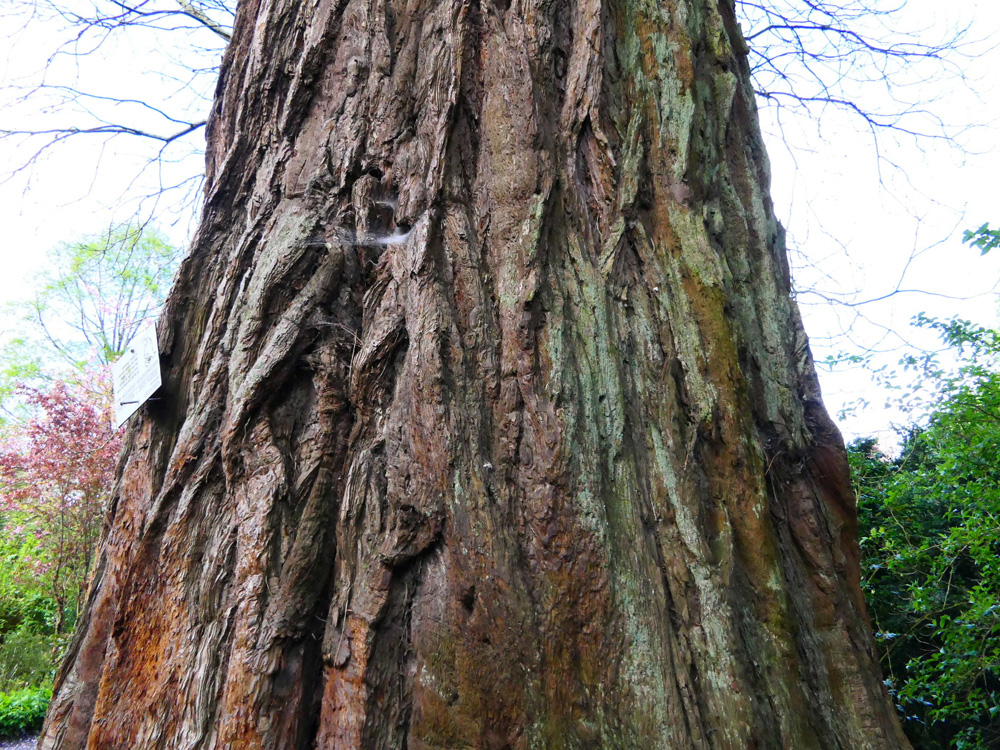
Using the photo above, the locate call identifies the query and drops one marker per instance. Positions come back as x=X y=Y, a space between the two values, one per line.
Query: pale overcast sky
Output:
x=861 y=223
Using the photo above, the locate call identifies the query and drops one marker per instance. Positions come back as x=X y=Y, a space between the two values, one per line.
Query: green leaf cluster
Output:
x=28 y=659
x=30 y=649
x=99 y=291
x=984 y=238
x=23 y=711
x=25 y=602
x=930 y=538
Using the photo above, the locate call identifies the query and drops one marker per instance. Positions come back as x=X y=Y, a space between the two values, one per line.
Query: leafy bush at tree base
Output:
x=23 y=711
x=28 y=659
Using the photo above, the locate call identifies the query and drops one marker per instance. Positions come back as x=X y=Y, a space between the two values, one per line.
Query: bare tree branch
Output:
x=201 y=17
x=851 y=55
x=108 y=129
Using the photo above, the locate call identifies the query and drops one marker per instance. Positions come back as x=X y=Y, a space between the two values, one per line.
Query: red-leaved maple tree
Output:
x=55 y=475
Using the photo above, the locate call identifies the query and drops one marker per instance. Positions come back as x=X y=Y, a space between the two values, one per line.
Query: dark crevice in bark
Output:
x=392 y=667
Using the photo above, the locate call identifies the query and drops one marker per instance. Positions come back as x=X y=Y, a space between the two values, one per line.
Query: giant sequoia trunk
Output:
x=488 y=421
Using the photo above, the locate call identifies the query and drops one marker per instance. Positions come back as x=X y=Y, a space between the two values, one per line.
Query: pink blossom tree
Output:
x=55 y=475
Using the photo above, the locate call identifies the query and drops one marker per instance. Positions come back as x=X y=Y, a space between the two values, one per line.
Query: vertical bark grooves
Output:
x=490 y=422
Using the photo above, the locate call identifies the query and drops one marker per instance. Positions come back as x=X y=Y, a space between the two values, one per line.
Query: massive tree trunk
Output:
x=488 y=420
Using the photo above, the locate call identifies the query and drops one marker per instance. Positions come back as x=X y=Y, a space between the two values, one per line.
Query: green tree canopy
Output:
x=99 y=290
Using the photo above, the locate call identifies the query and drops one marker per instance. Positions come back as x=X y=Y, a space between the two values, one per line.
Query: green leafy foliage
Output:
x=23 y=597
x=29 y=648
x=21 y=364
x=984 y=238
x=28 y=659
x=23 y=711
x=930 y=536
x=99 y=291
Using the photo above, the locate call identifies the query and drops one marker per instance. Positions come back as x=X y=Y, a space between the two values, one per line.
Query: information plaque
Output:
x=136 y=375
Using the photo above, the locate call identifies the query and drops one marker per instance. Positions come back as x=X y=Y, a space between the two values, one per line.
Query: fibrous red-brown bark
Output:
x=488 y=420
